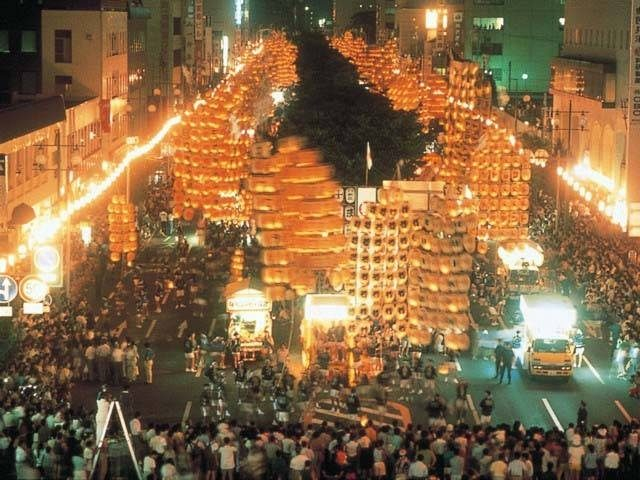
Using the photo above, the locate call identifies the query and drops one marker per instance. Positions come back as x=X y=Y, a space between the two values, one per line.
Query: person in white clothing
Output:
x=227 y=459
x=102 y=411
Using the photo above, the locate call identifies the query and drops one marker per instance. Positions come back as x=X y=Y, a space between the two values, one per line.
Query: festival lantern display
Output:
x=499 y=177
x=410 y=269
x=298 y=217
x=123 y=237
x=212 y=147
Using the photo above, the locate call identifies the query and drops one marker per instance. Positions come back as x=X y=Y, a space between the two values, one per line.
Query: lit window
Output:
x=488 y=23
x=4 y=41
x=29 y=44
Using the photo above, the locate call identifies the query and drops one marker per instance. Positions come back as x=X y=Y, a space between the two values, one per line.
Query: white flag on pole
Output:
x=369 y=158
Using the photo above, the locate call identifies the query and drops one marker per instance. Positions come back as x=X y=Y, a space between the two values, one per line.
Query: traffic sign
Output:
x=8 y=289
x=33 y=289
x=48 y=265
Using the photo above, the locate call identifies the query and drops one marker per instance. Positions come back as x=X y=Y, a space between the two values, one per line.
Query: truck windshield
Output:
x=551 y=345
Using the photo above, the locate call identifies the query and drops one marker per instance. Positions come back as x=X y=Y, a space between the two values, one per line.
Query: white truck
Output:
x=549 y=320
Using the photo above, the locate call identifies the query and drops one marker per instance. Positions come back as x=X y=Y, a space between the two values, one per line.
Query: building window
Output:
x=177 y=58
x=29 y=41
x=488 y=23
x=63 y=83
x=28 y=83
x=486 y=48
x=4 y=41
x=63 y=46
x=177 y=25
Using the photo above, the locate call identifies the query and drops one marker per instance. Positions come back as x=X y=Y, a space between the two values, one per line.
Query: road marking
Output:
x=593 y=370
x=552 y=414
x=187 y=411
x=181 y=328
x=623 y=410
x=151 y=327
x=458 y=366
x=472 y=407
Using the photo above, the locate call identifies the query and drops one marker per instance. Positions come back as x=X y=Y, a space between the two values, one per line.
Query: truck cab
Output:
x=549 y=320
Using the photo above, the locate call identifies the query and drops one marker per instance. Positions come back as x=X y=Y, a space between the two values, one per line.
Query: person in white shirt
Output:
x=516 y=467
x=135 y=425
x=149 y=464
x=576 y=454
x=418 y=469
x=168 y=471
x=611 y=463
x=227 y=459
x=158 y=444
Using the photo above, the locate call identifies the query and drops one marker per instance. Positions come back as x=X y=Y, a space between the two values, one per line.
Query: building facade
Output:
x=137 y=60
x=20 y=66
x=446 y=38
x=514 y=40
x=50 y=148
x=590 y=78
x=85 y=56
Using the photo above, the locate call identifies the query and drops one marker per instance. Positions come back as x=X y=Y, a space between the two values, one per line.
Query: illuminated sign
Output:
x=224 y=44
x=33 y=289
x=237 y=14
x=248 y=299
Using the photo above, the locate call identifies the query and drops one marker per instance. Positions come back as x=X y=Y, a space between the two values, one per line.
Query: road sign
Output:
x=33 y=289
x=8 y=289
x=6 y=311
x=47 y=263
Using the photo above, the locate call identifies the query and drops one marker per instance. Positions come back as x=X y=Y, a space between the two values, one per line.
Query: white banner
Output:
x=633 y=125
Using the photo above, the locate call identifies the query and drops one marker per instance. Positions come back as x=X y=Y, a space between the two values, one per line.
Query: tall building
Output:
x=85 y=56
x=166 y=54
x=448 y=35
x=591 y=79
x=221 y=34
x=514 y=40
x=137 y=67
x=20 y=67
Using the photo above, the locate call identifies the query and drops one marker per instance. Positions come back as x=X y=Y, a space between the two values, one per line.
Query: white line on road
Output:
x=151 y=327
x=181 y=328
x=623 y=410
x=593 y=370
x=552 y=414
x=187 y=411
x=458 y=366
x=472 y=407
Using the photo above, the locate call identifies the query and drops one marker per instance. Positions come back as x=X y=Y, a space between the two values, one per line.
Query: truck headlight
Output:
x=566 y=368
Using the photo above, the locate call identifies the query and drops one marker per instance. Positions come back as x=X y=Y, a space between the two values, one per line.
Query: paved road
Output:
x=175 y=394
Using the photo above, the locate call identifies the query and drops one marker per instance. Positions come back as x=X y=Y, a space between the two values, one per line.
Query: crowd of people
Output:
x=596 y=265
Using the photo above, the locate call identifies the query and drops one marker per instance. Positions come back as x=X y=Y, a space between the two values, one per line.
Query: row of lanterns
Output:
x=123 y=237
x=400 y=79
x=298 y=217
x=212 y=147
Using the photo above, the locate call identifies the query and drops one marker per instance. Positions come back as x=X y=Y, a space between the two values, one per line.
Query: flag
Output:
x=369 y=159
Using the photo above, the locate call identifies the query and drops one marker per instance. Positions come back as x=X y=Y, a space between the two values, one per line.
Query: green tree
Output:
x=338 y=115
